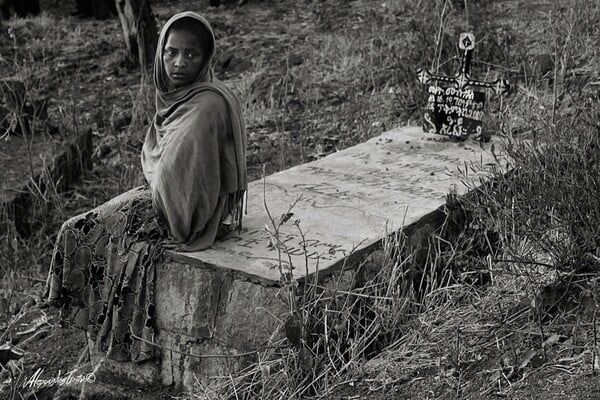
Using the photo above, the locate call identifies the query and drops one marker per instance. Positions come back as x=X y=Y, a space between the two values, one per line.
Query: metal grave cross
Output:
x=457 y=109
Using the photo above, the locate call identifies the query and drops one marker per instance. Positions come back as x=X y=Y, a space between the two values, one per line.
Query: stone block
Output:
x=345 y=204
x=206 y=319
x=217 y=306
x=188 y=298
x=249 y=314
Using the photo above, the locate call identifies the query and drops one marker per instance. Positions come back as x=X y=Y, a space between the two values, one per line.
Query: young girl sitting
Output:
x=194 y=159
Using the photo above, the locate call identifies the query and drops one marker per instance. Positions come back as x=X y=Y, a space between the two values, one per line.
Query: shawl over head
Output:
x=194 y=154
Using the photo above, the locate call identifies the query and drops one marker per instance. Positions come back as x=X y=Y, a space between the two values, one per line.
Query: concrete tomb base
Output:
x=215 y=308
x=207 y=317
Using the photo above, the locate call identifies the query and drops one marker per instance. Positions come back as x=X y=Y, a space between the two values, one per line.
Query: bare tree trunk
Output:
x=139 y=30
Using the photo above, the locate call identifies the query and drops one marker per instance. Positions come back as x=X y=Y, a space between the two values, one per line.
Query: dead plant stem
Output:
x=595 y=350
x=439 y=40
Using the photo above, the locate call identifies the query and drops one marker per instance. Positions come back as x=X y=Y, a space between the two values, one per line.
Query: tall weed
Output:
x=549 y=197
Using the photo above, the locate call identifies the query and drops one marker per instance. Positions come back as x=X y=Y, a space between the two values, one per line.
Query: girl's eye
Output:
x=190 y=55
x=171 y=52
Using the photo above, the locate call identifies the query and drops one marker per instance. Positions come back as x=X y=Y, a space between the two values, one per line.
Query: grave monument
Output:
x=312 y=220
x=455 y=104
x=216 y=307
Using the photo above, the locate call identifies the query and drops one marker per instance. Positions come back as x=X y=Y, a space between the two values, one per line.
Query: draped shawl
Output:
x=194 y=153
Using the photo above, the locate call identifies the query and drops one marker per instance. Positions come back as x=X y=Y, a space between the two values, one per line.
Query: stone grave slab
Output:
x=217 y=306
x=346 y=201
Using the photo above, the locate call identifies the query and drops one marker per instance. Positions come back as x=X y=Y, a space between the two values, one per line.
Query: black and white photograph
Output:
x=299 y=199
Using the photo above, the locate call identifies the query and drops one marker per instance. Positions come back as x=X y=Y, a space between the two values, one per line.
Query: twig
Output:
x=555 y=83
x=595 y=343
x=467 y=14
x=541 y=326
x=512 y=261
x=439 y=40
x=248 y=353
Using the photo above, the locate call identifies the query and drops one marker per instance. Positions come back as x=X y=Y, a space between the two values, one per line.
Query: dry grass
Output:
x=486 y=342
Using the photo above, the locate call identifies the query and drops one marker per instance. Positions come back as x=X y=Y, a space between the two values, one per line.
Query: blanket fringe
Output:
x=239 y=208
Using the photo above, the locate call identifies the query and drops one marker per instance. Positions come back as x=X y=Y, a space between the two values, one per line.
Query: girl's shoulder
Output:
x=210 y=96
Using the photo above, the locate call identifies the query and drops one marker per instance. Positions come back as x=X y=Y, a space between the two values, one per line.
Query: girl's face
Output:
x=182 y=57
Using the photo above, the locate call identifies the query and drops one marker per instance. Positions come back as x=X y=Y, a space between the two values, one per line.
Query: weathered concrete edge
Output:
x=176 y=257
x=209 y=323
x=349 y=261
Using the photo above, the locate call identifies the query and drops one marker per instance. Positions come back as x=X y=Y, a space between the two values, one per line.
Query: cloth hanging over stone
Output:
x=102 y=274
x=194 y=153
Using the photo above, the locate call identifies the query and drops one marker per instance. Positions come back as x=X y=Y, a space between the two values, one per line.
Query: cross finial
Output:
x=466 y=41
x=423 y=76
